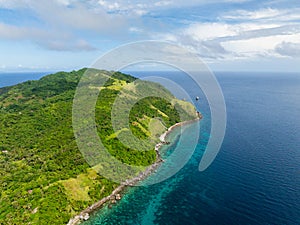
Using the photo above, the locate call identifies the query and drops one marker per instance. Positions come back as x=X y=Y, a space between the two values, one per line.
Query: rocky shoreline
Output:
x=115 y=195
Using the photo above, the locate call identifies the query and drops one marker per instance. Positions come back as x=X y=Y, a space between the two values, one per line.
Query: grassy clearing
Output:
x=160 y=112
x=156 y=128
x=116 y=134
x=78 y=188
x=142 y=128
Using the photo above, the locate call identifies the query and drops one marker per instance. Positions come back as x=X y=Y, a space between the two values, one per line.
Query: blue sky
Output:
x=229 y=35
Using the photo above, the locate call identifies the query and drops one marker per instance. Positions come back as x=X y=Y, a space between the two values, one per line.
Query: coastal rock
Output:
x=86 y=217
x=74 y=221
x=118 y=197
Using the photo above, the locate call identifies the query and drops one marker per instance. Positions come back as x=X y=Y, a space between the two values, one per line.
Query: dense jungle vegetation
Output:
x=44 y=178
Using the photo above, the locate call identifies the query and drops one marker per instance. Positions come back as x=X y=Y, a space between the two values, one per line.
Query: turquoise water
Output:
x=255 y=179
x=141 y=205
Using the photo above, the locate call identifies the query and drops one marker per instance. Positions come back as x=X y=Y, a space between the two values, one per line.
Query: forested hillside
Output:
x=44 y=178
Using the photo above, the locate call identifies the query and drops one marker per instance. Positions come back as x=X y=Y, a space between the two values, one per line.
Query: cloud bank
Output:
x=238 y=29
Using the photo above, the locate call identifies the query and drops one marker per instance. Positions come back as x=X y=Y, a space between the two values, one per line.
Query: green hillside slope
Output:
x=44 y=178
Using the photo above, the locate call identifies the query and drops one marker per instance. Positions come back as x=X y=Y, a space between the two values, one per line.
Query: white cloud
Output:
x=61 y=45
x=17 y=33
x=248 y=34
x=64 y=2
x=140 y=12
x=109 y=5
x=208 y=31
x=236 y=34
x=75 y=14
x=289 y=49
x=12 y=4
x=79 y=16
x=135 y=30
x=253 y=15
x=236 y=1
x=162 y=3
x=258 y=35
x=64 y=23
x=48 y=40
x=165 y=37
x=264 y=14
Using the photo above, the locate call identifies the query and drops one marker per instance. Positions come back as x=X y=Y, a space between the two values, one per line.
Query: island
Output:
x=44 y=179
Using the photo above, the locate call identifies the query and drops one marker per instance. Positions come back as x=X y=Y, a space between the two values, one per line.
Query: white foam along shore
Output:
x=115 y=195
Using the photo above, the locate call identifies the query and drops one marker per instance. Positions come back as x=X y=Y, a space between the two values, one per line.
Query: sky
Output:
x=228 y=35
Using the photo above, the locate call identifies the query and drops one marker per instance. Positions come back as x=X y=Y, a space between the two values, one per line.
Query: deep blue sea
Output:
x=8 y=79
x=255 y=178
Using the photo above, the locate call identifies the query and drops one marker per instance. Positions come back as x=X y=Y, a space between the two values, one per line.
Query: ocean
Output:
x=255 y=179
x=8 y=79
